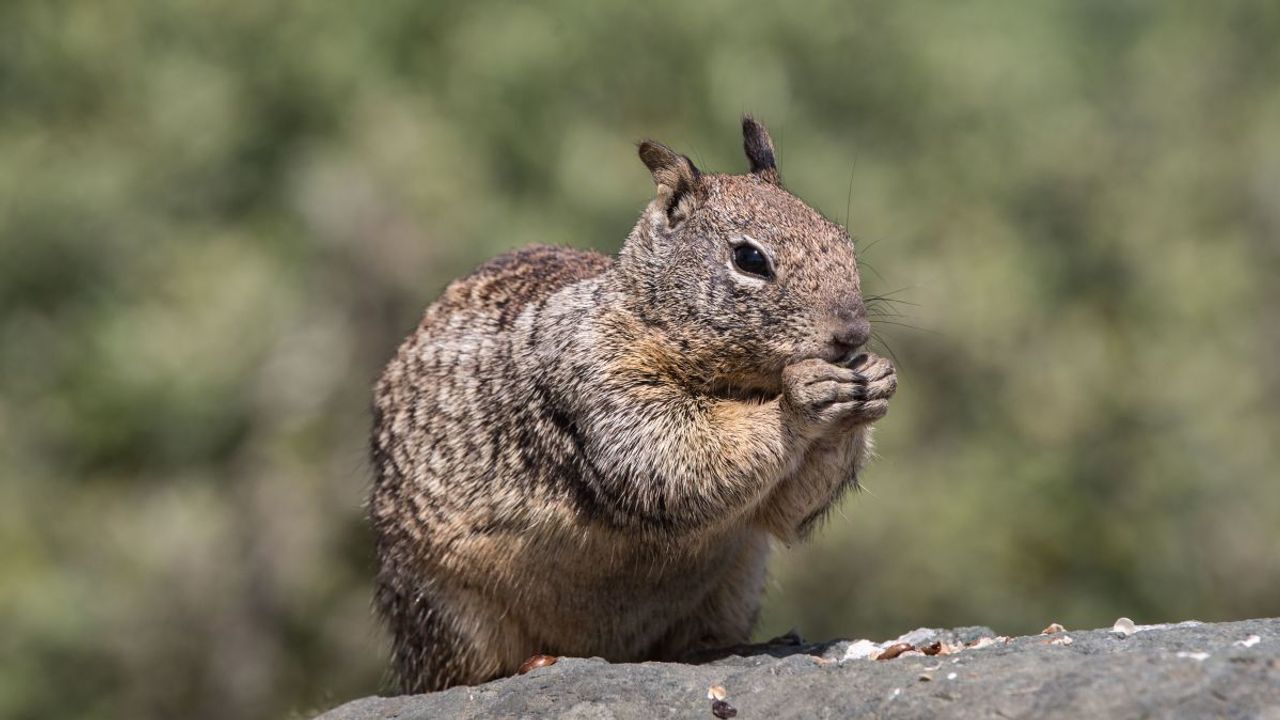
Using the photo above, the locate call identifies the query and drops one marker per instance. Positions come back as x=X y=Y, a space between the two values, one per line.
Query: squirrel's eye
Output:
x=751 y=260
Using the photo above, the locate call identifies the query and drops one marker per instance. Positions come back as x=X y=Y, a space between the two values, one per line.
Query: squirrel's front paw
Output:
x=824 y=394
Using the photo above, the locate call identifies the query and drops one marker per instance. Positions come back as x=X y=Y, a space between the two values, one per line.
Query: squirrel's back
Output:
x=448 y=451
x=441 y=405
x=503 y=287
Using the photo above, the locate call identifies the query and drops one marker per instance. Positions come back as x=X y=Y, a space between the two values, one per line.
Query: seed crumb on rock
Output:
x=537 y=661
x=1124 y=626
x=895 y=650
x=723 y=710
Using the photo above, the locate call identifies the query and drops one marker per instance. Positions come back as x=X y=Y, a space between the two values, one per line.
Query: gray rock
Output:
x=1190 y=670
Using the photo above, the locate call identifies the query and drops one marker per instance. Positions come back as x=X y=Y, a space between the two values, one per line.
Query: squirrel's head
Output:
x=735 y=268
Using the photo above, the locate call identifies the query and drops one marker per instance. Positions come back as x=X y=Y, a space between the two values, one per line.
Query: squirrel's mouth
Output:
x=853 y=358
x=844 y=355
x=836 y=353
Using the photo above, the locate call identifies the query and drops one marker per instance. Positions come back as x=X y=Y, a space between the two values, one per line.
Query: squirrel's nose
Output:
x=851 y=328
x=852 y=335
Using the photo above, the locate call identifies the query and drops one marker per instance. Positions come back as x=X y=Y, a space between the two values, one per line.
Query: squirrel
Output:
x=587 y=456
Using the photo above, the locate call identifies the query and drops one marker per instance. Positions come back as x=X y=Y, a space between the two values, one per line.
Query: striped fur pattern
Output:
x=584 y=455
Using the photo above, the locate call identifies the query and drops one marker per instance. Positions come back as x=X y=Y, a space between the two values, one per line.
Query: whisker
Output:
x=895 y=292
x=868 y=247
x=848 y=201
x=874 y=308
x=887 y=306
x=886 y=299
x=908 y=325
x=877 y=338
x=872 y=268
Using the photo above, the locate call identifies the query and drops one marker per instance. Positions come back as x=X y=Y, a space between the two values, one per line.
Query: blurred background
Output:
x=217 y=220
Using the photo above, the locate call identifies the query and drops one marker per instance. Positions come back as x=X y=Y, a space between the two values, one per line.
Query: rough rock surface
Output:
x=1189 y=670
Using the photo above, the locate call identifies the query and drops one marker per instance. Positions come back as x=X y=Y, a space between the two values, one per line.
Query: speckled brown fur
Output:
x=577 y=455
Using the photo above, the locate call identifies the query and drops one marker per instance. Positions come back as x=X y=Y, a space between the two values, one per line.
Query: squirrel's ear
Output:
x=676 y=178
x=759 y=148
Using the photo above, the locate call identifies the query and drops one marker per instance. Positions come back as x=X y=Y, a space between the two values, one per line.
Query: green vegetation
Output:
x=217 y=219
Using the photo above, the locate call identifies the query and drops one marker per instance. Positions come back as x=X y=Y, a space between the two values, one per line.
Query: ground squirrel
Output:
x=581 y=455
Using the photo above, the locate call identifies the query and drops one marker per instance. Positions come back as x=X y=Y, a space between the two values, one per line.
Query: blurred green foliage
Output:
x=217 y=219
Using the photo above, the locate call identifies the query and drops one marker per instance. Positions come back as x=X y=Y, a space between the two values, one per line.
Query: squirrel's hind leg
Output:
x=728 y=614
x=430 y=648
